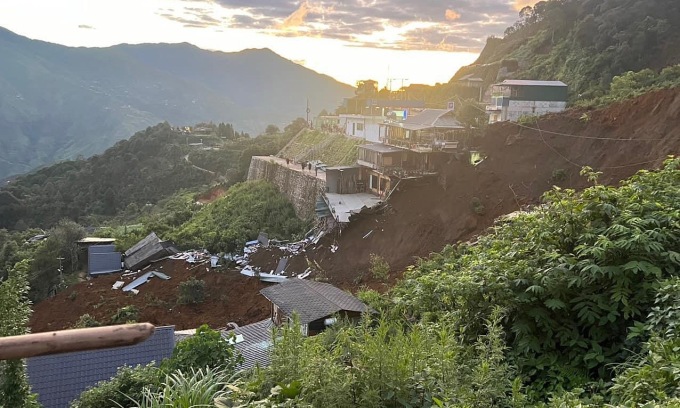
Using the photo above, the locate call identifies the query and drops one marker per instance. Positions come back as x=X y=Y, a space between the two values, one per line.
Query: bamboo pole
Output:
x=64 y=341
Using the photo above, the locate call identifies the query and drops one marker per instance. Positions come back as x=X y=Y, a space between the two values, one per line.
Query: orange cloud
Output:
x=298 y=17
x=520 y=4
x=451 y=15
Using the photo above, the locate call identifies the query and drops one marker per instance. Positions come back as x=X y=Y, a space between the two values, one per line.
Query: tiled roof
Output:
x=311 y=300
x=256 y=344
x=59 y=379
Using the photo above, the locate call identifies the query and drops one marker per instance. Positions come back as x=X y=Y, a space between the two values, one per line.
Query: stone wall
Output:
x=301 y=189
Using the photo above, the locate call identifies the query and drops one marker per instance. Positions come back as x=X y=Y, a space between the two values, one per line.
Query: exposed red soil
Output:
x=422 y=216
x=231 y=297
x=211 y=195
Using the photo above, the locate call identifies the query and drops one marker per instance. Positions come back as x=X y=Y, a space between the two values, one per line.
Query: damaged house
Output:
x=148 y=250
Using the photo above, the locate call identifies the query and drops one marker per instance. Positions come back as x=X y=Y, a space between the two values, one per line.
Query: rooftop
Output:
x=381 y=148
x=526 y=82
x=430 y=118
x=256 y=344
x=344 y=205
x=311 y=300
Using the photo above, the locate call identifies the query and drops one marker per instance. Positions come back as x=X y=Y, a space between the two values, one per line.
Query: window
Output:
x=374 y=181
x=360 y=126
x=387 y=160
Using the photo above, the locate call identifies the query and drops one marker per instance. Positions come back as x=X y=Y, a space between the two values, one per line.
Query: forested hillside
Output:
x=584 y=43
x=59 y=102
x=130 y=177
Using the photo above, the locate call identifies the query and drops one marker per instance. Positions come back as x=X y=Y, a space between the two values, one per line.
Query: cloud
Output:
x=451 y=15
x=520 y=4
x=400 y=24
x=86 y=27
x=297 y=18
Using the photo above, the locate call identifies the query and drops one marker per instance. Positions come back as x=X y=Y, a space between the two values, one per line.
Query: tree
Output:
x=272 y=130
x=206 y=348
x=15 y=310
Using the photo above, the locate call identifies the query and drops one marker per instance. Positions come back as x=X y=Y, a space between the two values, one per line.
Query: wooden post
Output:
x=64 y=341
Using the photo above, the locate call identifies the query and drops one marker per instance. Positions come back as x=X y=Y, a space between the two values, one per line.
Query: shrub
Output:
x=86 y=321
x=379 y=268
x=126 y=314
x=206 y=348
x=477 y=206
x=192 y=291
x=129 y=383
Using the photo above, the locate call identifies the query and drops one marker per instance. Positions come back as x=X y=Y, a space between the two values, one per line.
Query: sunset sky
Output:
x=410 y=41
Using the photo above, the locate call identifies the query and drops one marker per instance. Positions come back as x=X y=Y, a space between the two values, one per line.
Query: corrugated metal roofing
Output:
x=143 y=279
x=256 y=344
x=101 y=259
x=147 y=250
x=526 y=82
x=381 y=148
x=432 y=118
x=59 y=379
x=311 y=300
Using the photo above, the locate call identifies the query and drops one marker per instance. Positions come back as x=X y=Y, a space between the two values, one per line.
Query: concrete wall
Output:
x=301 y=189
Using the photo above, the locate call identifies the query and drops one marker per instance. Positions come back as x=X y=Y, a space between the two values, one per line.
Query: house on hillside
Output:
x=364 y=119
x=429 y=131
x=58 y=379
x=318 y=305
x=514 y=98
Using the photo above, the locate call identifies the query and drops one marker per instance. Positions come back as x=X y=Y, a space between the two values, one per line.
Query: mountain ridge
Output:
x=58 y=102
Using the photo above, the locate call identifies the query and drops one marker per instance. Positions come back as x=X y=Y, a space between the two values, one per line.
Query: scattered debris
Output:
x=334 y=248
x=147 y=251
x=118 y=285
x=143 y=279
x=369 y=233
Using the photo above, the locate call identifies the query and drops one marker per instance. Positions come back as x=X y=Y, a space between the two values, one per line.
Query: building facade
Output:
x=513 y=99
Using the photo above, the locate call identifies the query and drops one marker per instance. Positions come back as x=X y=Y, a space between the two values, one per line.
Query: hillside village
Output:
x=422 y=166
x=496 y=241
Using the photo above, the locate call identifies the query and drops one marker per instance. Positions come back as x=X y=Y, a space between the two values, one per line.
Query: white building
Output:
x=514 y=98
x=363 y=126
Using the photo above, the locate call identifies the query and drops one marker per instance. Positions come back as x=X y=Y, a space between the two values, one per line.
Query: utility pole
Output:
x=61 y=270
x=308 y=112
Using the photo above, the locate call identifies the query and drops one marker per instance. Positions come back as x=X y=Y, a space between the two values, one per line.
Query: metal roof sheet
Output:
x=59 y=379
x=526 y=82
x=143 y=279
x=311 y=300
x=256 y=345
x=382 y=148
x=147 y=250
x=101 y=259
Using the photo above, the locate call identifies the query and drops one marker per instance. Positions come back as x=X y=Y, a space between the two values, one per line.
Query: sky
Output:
x=396 y=42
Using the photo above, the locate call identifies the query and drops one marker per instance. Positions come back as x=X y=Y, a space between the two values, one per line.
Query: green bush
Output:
x=86 y=321
x=206 y=348
x=191 y=291
x=379 y=267
x=127 y=385
x=126 y=314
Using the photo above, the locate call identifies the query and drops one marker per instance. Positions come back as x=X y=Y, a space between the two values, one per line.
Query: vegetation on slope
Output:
x=332 y=149
x=150 y=167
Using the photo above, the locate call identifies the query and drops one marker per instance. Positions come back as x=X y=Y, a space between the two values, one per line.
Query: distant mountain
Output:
x=59 y=102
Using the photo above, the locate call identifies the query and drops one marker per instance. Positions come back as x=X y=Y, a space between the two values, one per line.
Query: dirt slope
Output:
x=520 y=166
x=423 y=217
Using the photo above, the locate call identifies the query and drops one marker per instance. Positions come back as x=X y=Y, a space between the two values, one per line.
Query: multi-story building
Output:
x=514 y=98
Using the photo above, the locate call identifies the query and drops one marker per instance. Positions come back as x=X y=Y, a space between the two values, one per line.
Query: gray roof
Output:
x=60 y=378
x=382 y=148
x=526 y=82
x=432 y=118
x=311 y=300
x=256 y=345
x=102 y=259
x=149 y=249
